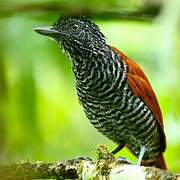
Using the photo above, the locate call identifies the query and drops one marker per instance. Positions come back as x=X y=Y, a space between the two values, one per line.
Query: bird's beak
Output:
x=47 y=31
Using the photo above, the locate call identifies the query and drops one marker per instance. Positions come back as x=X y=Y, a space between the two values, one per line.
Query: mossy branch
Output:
x=106 y=167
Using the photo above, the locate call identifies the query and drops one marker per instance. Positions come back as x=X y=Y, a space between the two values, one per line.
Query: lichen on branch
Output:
x=106 y=167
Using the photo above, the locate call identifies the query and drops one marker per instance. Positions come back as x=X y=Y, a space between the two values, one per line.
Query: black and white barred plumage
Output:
x=110 y=105
x=103 y=89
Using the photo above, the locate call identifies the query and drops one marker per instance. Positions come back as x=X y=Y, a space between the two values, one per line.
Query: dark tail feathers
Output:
x=159 y=164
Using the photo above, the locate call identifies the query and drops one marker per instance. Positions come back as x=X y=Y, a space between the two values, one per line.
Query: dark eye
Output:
x=75 y=27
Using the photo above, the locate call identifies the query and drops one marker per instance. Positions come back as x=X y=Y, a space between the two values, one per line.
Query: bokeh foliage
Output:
x=40 y=117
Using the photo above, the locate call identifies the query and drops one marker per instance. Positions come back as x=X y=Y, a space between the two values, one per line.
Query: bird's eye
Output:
x=74 y=27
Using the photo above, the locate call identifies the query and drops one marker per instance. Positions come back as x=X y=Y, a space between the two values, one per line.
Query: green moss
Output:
x=104 y=160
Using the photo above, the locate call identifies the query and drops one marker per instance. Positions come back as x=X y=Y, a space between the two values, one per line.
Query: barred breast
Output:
x=112 y=108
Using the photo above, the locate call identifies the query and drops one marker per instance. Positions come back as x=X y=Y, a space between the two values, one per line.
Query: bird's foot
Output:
x=81 y=158
x=122 y=160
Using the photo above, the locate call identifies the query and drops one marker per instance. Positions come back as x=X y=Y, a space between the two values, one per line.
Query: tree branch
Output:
x=106 y=167
x=145 y=12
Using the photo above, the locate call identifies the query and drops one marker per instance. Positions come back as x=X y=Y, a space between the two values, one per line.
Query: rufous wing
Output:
x=141 y=88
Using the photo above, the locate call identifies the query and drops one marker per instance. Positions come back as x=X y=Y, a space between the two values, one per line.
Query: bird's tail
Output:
x=160 y=163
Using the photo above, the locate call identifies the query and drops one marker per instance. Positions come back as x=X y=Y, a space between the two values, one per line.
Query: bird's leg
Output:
x=118 y=148
x=120 y=159
x=141 y=155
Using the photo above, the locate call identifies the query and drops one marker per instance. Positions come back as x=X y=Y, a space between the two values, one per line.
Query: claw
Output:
x=122 y=160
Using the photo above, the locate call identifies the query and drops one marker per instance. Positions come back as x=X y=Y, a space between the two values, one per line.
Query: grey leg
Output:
x=118 y=148
x=141 y=155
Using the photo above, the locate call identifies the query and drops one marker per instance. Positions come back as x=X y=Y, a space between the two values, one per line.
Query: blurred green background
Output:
x=40 y=117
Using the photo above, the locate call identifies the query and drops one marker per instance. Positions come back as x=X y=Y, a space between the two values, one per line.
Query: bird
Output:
x=113 y=90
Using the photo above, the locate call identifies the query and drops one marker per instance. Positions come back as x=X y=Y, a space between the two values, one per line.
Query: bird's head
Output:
x=75 y=34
